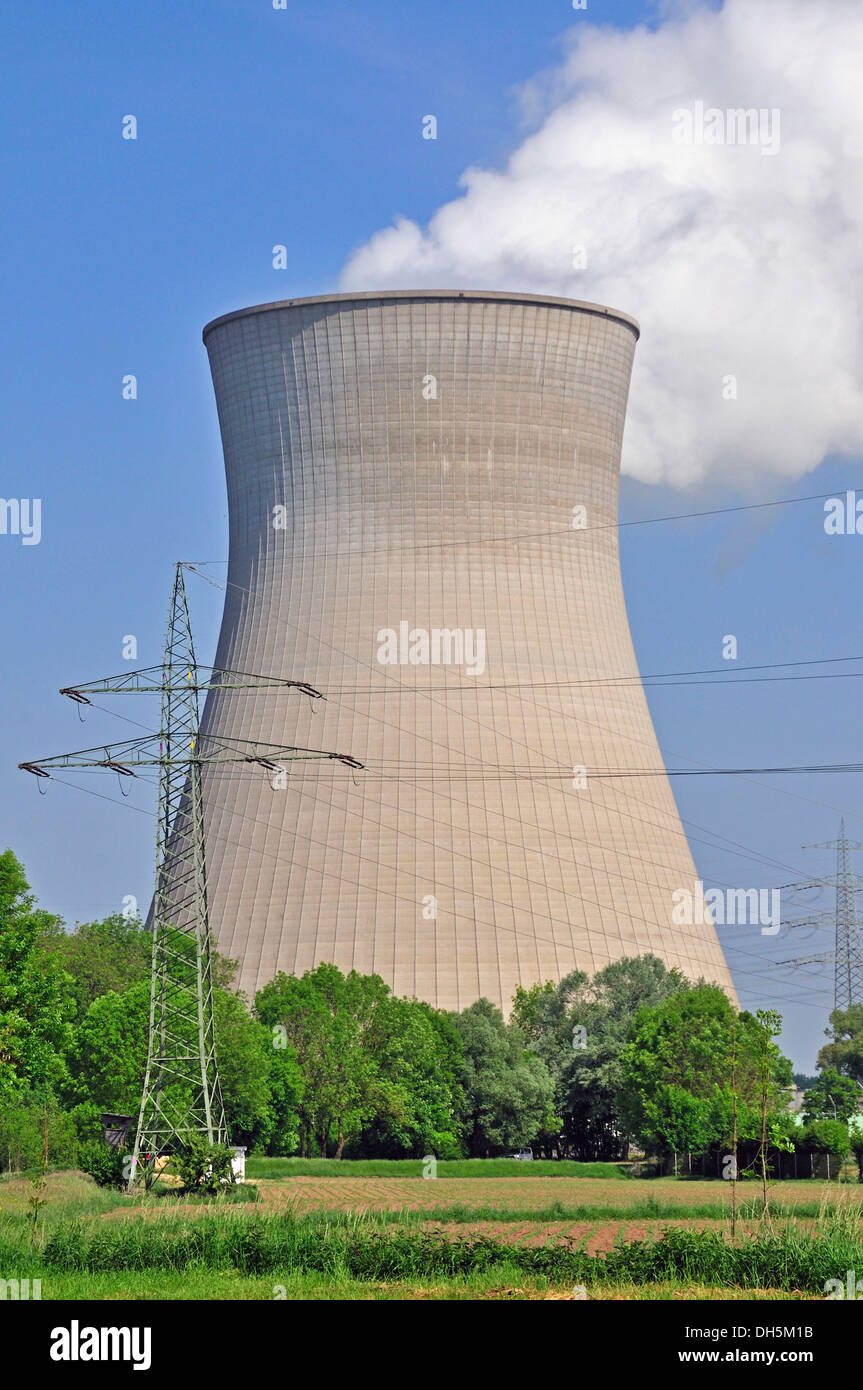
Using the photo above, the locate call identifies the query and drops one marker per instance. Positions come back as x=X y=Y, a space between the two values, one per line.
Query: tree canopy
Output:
x=334 y=1064
x=35 y=1005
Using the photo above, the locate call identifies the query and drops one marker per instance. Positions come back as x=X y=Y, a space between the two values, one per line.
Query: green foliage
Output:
x=416 y=1051
x=324 y=1031
x=109 y=1056
x=23 y=1125
x=109 y=1059
x=376 y=1073
x=845 y=1050
x=507 y=1093
x=35 y=1008
x=824 y=1136
x=204 y=1167
x=675 y=1073
x=246 y=1062
x=579 y=1028
x=831 y=1097
x=279 y=1131
x=100 y=957
x=105 y=1164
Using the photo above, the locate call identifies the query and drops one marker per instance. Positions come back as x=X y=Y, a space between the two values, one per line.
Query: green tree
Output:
x=320 y=1013
x=247 y=1065
x=205 y=1167
x=101 y=957
x=844 y=1053
x=35 y=1009
x=508 y=1094
x=281 y=1132
x=824 y=1137
x=377 y=1072
x=831 y=1097
x=416 y=1051
x=25 y=1124
x=579 y=1028
x=685 y=1045
x=109 y=1056
x=680 y=1121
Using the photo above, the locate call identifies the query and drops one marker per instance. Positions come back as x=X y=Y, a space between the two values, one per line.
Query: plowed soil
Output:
x=524 y=1194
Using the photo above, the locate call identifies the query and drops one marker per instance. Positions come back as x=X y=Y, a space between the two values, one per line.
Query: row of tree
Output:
x=335 y=1064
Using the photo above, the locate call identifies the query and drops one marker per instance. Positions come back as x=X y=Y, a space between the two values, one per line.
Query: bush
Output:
x=106 y=1165
x=824 y=1137
x=204 y=1167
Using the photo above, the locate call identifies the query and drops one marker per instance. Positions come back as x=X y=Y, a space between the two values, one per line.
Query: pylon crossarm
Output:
x=818 y=920
x=152 y=680
x=821 y=958
x=154 y=751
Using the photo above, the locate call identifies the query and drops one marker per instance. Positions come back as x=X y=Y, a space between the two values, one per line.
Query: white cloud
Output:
x=736 y=262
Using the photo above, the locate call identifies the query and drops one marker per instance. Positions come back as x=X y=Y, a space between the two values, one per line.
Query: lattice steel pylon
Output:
x=848 y=966
x=847 y=954
x=181 y=1047
x=182 y=1094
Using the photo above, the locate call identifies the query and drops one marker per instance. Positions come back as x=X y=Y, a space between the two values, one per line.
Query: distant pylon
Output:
x=848 y=970
x=847 y=954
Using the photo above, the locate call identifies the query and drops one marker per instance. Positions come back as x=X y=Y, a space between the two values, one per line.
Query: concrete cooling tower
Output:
x=422 y=493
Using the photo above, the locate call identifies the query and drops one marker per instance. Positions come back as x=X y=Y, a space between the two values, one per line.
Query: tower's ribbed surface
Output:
x=463 y=861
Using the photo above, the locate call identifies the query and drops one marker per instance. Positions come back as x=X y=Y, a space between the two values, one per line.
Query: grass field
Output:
x=445 y=1168
x=367 y=1235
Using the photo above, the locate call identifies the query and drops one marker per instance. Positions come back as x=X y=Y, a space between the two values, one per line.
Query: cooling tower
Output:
x=422 y=492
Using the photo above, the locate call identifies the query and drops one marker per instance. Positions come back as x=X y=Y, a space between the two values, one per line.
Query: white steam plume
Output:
x=740 y=260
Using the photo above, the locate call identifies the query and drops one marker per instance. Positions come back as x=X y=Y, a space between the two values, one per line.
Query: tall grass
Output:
x=357 y=1246
x=67 y=1194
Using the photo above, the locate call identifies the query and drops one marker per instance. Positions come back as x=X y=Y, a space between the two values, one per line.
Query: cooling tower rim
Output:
x=498 y=296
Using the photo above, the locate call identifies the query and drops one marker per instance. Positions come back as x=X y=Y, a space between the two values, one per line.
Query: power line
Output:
x=579 y=720
x=532 y=937
x=736 y=848
x=397 y=685
x=720 y=675
x=521 y=536
x=419 y=772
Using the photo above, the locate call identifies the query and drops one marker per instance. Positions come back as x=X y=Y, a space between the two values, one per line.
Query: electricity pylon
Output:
x=847 y=954
x=182 y=1094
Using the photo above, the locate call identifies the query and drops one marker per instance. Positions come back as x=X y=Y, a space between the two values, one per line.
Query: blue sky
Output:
x=258 y=127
